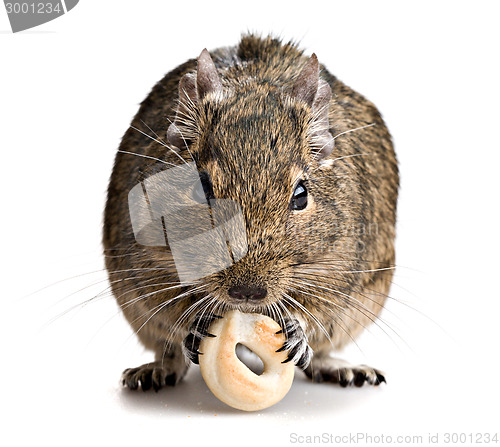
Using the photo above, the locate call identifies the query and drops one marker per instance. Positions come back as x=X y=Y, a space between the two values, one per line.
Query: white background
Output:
x=68 y=91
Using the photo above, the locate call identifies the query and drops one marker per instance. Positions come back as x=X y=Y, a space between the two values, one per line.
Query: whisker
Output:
x=155 y=134
x=359 y=289
x=184 y=316
x=330 y=162
x=182 y=136
x=354 y=130
x=141 y=297
x=361 y=308
x=313 y=317
x=281 y=321
x=334 y=316
x=147 y=156
x=163 y=144
x=162 y=306
x=355 y=271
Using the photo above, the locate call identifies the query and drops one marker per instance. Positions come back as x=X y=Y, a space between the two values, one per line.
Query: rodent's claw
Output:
x=351 y=377
x=151 y=375
x=333 y=370
x=190 y=347
x=197 y=332
x=301 y=354
x=296 y=344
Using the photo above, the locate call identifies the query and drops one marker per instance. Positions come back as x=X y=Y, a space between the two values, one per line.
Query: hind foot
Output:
x=165 y=372
x=329 y=369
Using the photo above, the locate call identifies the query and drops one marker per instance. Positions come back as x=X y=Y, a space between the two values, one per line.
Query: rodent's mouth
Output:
x=247 y=306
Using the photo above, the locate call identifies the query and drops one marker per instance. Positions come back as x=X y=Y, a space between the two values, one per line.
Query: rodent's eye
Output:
x=299 y=198
x=205 y=193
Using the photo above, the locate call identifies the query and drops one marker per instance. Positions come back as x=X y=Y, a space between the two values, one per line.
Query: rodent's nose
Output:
x=246 y=292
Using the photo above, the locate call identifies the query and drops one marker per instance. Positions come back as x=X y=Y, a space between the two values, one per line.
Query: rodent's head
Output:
x=264 y=148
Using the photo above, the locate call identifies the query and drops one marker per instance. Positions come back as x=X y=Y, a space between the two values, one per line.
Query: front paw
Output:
x=197 y=332
x=296 y=344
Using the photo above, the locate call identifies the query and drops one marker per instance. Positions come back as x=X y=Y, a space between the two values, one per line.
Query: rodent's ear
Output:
x=306 y=85
x=192 y=88
x=320 y=135
x=207 y=77
x=316 y=93
x=188 y=98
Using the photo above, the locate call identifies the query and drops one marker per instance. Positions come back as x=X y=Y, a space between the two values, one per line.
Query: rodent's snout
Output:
x=247 y=292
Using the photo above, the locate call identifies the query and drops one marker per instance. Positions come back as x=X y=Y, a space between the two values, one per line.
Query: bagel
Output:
x=229 y=379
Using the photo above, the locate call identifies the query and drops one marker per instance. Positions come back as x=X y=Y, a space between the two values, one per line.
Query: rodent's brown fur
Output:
x=254 y=142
